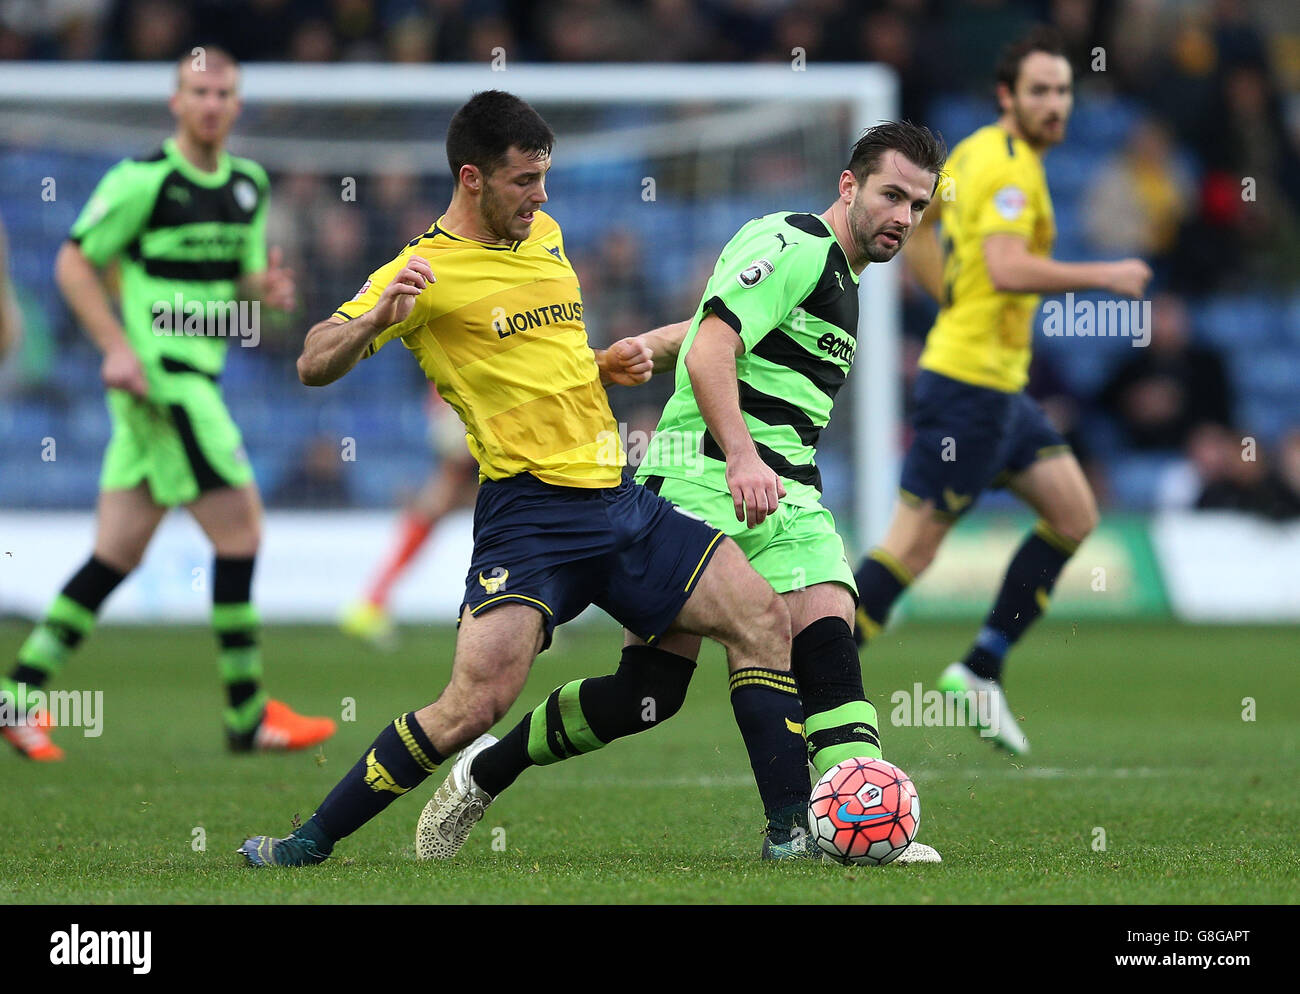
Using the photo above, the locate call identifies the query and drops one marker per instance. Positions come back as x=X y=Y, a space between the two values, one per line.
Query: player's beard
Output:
x=497 y=216
x=1037 y=135
x=865 y=235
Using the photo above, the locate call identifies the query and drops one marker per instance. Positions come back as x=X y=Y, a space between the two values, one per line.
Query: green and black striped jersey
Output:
x=183 y=238
x=784 y=284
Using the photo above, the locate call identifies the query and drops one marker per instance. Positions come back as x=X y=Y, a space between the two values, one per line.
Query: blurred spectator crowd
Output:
x=1185 y=150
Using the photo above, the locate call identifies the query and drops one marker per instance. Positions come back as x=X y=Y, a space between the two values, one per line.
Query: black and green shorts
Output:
x=183 y=442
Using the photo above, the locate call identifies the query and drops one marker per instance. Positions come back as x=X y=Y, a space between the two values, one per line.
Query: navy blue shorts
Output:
x=967 y=439
x=559 y=549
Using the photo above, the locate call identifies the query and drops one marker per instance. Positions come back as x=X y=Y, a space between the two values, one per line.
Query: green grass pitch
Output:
x=1137 y=729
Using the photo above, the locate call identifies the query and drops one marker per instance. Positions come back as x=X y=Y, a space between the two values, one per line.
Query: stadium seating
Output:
x=382 y=404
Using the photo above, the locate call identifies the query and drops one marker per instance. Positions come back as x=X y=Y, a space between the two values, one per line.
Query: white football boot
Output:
x=454 y=809
x=918 y=852
x=993 y=714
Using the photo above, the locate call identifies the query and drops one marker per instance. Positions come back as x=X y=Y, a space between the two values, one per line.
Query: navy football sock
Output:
x=766 y=706
x=1026 y=590
x=399 y=759
x=881 y=580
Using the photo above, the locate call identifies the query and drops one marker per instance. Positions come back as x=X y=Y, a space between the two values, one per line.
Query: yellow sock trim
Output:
x=758 y=673
x=412 y=746
x=870 y=627
x=758 y=681
x=901 y=573
x=1063 y=544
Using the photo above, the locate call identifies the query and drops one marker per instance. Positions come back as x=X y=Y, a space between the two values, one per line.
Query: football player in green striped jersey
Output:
x=769 y=346
x=187 y=227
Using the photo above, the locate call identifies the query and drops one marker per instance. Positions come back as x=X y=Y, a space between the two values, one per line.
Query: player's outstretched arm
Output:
x=79 y=282
x=632 y=361
x=1014 y=269
x=334 y=346
x=627 y=362
x=755 y=488
x=665 y=343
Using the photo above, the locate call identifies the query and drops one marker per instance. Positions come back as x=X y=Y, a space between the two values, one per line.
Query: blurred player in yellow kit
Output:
x=974 y=426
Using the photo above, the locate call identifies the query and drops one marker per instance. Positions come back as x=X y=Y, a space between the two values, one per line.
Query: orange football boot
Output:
x=32 y=740
x=282 y=728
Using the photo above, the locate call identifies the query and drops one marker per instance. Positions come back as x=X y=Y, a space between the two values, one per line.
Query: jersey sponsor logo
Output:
x=245 y=194
x=836 y=347
x=496 y=581
x=362 y=292
x=178 y=194
x=506 y=325
x=378 y=778
x=755 y=273
x=1010 y=202
x=781 y=238
x=554 y=250
x=220 y=245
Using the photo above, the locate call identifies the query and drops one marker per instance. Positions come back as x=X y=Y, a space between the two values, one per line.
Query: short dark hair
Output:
x=1040 y=38
x=916 y=142
x=488 y=126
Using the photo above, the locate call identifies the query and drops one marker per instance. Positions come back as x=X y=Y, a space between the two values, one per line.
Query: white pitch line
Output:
x=921 y=775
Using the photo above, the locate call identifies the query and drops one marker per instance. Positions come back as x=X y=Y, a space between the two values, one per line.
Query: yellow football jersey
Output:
x=501 y=336
x=997 y=186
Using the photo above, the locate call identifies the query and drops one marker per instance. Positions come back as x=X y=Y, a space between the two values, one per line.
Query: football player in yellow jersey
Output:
x=974 y=427
x=488 y=303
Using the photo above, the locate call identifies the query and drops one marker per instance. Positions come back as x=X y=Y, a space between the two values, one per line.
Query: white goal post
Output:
x=869 y=92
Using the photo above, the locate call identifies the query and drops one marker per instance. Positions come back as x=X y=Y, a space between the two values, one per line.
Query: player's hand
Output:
x=121 y=370
x=1129 y=277
x=279 y=289
x=398 y=299
x=629 y=362
x=755 y=487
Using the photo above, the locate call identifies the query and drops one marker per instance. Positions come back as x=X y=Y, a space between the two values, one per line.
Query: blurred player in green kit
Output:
x=186 y=225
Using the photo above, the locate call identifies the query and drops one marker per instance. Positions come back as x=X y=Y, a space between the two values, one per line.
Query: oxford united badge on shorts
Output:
x=496 y=581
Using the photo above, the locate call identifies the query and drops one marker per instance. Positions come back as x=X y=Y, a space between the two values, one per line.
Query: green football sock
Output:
x=239 y=658
x=647 y=689
x=840 y=722
x=65 y=625
x=239 y=661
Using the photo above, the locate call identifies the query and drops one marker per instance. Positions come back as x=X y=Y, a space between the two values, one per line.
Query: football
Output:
x=864 y=811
